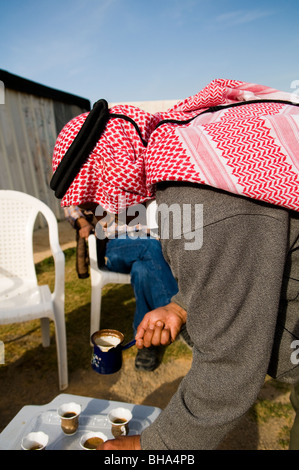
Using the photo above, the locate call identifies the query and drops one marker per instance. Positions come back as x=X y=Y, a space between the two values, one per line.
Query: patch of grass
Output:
x=23 y=340
x=264 y=410
x=284 y=436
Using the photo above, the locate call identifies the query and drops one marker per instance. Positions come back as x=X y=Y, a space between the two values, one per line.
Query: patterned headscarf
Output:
x=239 y=137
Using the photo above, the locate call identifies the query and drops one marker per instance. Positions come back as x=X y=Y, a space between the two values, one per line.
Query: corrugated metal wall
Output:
x=31 y=117
x=29 y=126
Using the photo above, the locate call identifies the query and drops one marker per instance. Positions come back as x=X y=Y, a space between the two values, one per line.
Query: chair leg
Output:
x=45 y=327
x=95 y=309
x=61 y=346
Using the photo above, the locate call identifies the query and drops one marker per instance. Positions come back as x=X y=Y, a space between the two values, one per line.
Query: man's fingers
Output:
x=165 y=336
x=149 y=336
x=156 y=337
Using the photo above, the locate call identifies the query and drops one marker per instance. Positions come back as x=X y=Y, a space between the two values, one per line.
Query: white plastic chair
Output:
x=99 y=277
x=21 y=298
x=102 y=276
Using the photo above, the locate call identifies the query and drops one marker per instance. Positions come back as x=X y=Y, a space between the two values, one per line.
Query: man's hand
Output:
x=122 y=443
x=160 y=326
x=85 y=228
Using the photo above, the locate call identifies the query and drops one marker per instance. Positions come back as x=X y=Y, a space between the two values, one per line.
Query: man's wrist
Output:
x=180 y=311
x=81 y=223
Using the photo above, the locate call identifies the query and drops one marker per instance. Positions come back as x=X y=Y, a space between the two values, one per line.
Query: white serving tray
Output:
x=92 y=418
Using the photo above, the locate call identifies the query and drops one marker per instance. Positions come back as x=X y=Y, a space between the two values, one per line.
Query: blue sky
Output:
x=137 y=50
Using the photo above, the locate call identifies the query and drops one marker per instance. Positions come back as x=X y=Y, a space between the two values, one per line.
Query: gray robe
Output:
x=232 y=288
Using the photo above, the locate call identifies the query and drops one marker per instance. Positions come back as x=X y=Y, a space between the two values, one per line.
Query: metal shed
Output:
x=31 y=116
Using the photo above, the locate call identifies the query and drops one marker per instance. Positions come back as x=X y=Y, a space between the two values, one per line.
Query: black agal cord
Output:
x=80 y=148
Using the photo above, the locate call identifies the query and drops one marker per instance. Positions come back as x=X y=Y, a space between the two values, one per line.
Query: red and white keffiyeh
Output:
x=250 y=150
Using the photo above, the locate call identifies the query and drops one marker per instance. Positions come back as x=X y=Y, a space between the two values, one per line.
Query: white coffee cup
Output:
x=119 y=419
x=35 y=441
x=89 y=440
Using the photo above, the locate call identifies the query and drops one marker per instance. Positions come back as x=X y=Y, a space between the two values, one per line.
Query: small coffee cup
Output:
x=69 y=417
x=119 y=419
x=92 y=440
x=35 y=441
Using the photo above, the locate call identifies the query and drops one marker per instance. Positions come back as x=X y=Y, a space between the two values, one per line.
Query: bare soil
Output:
x=257 y=430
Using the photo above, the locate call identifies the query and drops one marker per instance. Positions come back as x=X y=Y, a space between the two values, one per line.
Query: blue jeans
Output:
x=151 y=277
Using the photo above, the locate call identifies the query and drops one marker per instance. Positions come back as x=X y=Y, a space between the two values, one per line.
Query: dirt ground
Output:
x=265 y=427
x=147 y=388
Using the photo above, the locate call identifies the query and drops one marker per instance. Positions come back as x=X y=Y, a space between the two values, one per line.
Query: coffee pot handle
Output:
x=129 y=345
